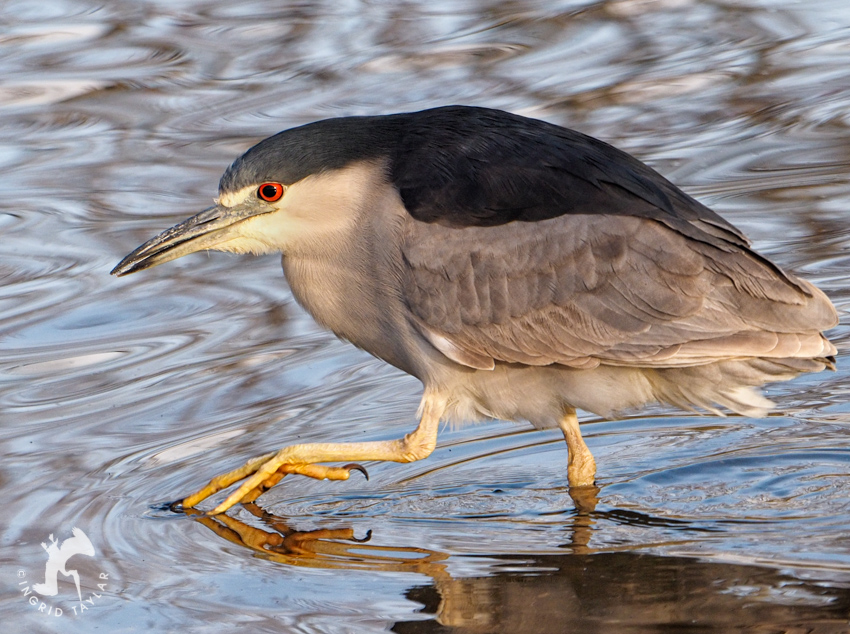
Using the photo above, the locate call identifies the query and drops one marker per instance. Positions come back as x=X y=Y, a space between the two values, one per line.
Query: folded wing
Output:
x=582 y=290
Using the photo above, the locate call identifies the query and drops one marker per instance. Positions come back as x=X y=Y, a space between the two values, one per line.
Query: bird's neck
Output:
x=350 y=285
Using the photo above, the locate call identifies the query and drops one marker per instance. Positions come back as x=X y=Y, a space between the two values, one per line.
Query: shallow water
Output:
x=117 y=394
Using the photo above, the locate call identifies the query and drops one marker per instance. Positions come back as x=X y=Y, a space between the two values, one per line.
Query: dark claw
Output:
x=356 y=467
x=365 y=539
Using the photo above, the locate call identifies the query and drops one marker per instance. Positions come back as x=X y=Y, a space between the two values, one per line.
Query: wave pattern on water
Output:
x=117 y=395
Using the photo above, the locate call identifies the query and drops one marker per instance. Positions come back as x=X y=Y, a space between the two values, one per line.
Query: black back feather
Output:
x=465 y=166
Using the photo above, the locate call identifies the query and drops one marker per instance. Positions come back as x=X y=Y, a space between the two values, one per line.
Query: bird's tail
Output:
x=730 y=384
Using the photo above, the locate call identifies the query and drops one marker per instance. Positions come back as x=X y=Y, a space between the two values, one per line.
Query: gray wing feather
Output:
x=581 y=290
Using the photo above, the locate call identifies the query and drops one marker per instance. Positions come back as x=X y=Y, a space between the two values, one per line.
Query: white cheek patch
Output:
x=231 y=199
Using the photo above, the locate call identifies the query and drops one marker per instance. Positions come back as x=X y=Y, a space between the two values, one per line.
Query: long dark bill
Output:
x=202 y=231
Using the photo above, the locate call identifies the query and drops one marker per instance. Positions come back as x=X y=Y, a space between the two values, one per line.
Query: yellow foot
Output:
x=267 y=470
x=316 y=471
x=258 y=482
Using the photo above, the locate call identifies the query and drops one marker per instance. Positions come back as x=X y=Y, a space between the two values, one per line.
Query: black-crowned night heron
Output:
x=518 y=269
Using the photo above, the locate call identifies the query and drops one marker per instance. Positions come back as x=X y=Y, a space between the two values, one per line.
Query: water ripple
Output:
x=118 y=394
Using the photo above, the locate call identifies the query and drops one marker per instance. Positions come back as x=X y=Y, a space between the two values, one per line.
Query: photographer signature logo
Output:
x=62 y=558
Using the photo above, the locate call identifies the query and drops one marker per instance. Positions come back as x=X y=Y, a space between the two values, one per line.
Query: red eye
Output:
x=270 y=192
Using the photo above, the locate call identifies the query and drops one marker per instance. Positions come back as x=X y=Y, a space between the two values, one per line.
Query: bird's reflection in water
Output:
x=627 y=592
x=581 y=527
x=459 y=603
x=581 y=590
x=339 y=548
x=323 y=548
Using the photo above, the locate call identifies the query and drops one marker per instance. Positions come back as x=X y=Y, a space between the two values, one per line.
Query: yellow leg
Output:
x=581 y=469
x=267 y=470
